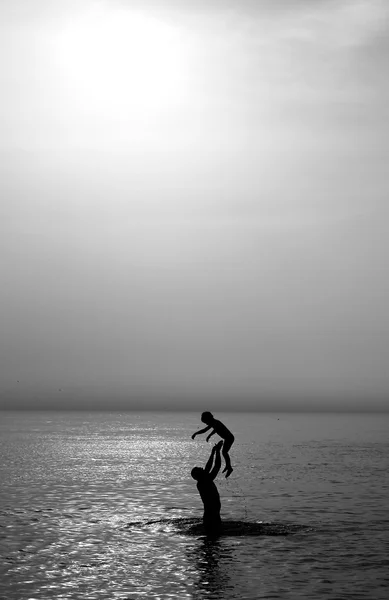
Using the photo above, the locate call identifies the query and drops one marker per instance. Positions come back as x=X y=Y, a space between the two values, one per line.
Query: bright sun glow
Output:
x=122 y=62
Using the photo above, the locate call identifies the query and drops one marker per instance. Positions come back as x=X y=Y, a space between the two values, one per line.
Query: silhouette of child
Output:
x=219 y=428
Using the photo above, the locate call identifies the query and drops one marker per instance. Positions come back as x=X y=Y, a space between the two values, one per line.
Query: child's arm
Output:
x=210 y=435
x=201 y=431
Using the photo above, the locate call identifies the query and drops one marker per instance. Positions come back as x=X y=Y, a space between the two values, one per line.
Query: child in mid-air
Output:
x=219 y=428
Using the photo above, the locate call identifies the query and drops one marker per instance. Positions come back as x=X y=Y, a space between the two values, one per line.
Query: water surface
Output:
x=99 y=506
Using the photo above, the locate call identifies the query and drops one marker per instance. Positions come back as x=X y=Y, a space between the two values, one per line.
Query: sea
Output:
x=101 y=505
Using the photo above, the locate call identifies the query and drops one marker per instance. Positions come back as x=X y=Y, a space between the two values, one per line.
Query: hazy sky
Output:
x=194 y=202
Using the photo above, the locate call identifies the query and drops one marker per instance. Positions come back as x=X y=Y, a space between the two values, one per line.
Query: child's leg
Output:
x=226 y=447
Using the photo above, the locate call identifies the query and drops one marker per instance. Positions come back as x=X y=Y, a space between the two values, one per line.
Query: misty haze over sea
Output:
x=98 y=400
x=194 y=214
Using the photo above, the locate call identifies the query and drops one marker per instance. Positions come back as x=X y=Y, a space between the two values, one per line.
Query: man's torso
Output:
x=209 y=494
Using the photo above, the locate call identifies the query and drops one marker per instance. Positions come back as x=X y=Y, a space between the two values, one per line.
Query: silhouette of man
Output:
x=208 y=490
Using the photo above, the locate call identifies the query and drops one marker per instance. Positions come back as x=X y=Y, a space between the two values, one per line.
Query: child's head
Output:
x=207 y=417
x=197 y=473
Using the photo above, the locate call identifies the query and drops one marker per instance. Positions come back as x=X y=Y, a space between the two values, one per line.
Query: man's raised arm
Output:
x=216 y=467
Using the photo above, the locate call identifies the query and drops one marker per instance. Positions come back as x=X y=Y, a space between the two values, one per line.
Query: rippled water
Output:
x=102 y=506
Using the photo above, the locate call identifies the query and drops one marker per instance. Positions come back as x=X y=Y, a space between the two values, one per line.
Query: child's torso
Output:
x=221 y=429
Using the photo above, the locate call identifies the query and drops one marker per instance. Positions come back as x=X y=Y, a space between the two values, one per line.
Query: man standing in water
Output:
x=208 y=490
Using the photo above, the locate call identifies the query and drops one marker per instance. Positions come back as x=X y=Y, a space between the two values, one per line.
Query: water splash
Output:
x=194 y=526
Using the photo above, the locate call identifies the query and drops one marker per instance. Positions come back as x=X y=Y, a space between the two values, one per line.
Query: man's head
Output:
x=197 y=473
x=207 y=417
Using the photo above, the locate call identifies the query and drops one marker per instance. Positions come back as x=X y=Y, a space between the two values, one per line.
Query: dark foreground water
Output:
x=102 y=506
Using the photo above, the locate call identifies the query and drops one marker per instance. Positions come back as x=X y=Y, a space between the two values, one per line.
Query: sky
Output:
x=194 y=204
